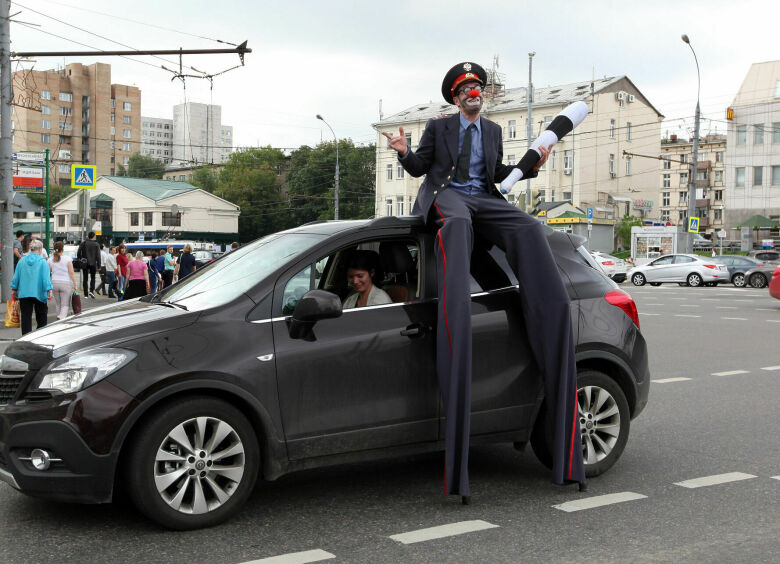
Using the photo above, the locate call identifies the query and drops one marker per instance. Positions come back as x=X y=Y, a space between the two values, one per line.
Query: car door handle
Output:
x=414 y=330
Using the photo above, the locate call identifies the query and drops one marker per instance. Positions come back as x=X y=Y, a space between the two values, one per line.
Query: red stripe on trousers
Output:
x=573 y=430
x=444 y=291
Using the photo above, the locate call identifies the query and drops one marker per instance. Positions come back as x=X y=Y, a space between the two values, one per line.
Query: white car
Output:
x=613 y=267
x=692 y=270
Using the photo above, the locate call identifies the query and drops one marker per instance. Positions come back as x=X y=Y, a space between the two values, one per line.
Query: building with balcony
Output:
x=675 y=166
x=753 y=154
x=157 y=138
x=588 y=167
x=157 y=209
x=79 y=115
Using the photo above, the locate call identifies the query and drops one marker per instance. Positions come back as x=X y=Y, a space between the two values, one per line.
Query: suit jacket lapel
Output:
x=489 y=148
x=451 y=137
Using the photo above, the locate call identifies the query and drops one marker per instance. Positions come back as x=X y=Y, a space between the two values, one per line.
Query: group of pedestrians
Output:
x=123 y=275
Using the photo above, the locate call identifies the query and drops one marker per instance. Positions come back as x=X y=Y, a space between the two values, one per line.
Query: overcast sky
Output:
x=339 y=58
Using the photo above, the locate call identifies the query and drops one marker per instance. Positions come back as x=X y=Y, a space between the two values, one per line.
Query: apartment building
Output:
x=587 y=167
x=79 y=115
x=675 y=167
x=753 y=153
x=199 y=137
x=157 y=138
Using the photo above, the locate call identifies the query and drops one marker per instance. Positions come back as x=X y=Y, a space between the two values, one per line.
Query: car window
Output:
x=490 y=269
x=237 y=272
x=681 y=259
x=397 y=273
x=661 y=261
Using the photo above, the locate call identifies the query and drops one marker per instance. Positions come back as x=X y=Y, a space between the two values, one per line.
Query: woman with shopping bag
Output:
x=64 y=280
x=32 y=287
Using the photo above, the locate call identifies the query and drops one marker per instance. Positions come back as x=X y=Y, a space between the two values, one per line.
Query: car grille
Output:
x=8 y=387
x=2 y=459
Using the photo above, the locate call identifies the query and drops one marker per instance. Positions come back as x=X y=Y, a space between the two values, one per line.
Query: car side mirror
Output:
x=313 y=306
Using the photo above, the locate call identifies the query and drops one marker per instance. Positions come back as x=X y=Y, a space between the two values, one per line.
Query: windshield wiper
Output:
x=171 y=304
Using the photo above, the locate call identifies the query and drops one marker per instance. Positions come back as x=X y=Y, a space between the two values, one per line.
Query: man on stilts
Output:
x=461 y=157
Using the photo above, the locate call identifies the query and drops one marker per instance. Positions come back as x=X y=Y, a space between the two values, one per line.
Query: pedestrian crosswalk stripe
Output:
x=669 y=380
x=730 y=373
x=715 y=480
x=296 y=558
x=598 y=501
x=771 y=368
x=442 y=531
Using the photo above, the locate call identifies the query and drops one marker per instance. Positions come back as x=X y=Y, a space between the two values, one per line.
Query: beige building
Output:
x=79 y=115
x=128 y=207
x=675 y=167
x=587 y=167
x=753 y=155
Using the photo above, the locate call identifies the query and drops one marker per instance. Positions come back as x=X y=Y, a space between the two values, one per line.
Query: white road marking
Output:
x=771 y=368
x=295 y=558
x=598 y=501
x=735 y=318
x=668 y=380
x=776 y=477
x=442 y=531
x=685 y=315
x=730 y=373
x=689 y=305
x=679 y=298
x=710 y=299
x=726 y=307
x=773 y=320
x=653 y=304
x=645 y=313
x=715 y=480
x=764 y=309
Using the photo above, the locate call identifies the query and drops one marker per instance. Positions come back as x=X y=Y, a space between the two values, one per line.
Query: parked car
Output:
x=692 y=270
x=154 y=395
x=613 y=267
x=737 y=266
x=701 y=243
x=774 y=284
x=765 y=255
x=202 y=258
x=759 y=276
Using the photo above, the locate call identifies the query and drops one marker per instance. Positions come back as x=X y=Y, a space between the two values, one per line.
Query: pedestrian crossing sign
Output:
x=82 y=176
x=693 y=225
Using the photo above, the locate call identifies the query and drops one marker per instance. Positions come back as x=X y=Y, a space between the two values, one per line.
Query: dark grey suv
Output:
x=250 y=369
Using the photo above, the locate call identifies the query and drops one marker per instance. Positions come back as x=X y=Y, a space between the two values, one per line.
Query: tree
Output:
x=142 y=167
x=623 y=230
x=206 y=178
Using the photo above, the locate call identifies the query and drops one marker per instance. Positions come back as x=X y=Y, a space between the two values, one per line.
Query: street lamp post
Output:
x=692 y=176
x=336 y=189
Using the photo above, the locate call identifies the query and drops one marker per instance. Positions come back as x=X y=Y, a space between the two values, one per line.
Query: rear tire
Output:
x=603 y=405
x=758 y=280
x=638 y=279
x=193 y=463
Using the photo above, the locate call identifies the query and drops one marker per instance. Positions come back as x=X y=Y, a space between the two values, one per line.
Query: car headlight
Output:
x=82 y=369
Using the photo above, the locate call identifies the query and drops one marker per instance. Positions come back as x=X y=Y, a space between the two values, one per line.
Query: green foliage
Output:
x=206 y=178
x=141 y=166
x=56 y=193
x=623 y=230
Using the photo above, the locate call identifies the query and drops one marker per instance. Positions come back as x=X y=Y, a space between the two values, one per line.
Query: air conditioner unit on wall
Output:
x=612 y=175
x=631 y=97
x=620 y=96
x=566 y=171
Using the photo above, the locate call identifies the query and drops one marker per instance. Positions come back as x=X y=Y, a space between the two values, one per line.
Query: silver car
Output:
x=613 y=267
x=692 y=270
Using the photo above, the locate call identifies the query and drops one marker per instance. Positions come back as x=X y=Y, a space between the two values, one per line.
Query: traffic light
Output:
x=536 y=199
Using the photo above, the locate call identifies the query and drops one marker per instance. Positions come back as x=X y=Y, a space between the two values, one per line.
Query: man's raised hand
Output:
x=398 y=142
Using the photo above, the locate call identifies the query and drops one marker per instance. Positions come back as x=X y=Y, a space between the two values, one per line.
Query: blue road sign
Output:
x=82 y=176
x=590 y=213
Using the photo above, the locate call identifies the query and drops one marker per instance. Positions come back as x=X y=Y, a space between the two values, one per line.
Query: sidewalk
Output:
x=8 y=334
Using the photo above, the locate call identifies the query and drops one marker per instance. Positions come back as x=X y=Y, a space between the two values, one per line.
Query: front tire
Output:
x=638 y=279
x=758 y=280
x=193 y=463
x=605 y=421
x=739 y=280
x=694 y=279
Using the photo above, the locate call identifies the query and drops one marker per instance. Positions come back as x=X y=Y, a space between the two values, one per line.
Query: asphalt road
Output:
x=713 y=412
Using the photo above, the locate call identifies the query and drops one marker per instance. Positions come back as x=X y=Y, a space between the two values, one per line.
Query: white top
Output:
x=59 y=270
x=110 y=263
x=103 y=255
x=377 y=296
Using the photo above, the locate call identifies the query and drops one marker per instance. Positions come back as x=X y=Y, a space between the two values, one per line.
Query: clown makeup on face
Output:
x=469 y=98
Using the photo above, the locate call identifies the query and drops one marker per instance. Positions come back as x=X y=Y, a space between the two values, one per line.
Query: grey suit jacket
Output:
x=437 y=156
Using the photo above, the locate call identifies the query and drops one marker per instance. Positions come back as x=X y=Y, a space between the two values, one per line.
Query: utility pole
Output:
x=6 y=151
x=692 y=177
x=529 y=128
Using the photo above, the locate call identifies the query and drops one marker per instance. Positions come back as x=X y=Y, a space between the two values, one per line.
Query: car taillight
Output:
x=623 y=300
x=713 y=266
x=608 y=263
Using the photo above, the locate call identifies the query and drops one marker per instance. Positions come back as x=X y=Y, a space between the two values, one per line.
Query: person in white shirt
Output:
x=361 y=268
x=101 y=289
x=63 y=278
x=111 y=271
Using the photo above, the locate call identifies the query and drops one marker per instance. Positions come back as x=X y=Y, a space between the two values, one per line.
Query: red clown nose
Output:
x=474 y=94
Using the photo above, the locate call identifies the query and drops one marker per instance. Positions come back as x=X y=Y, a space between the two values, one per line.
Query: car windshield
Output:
x=237 y=271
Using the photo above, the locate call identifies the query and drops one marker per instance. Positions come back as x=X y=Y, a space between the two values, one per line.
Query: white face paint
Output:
x=467 y=104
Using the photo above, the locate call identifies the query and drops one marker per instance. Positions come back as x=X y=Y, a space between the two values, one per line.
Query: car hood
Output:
x=109 y=324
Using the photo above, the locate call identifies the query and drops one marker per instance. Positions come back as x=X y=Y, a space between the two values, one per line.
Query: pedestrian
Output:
x=89 y=250
x=154 y=276
x=63 y=279
x=32 y=286
x=714 y=254
x=185 y=264
x=101 y=289
x=138 y=277
x=461 y=156
x=170 y=266
x=18 y=251
x=111 y=272
x=234 y=245
x=160 y=264
x=121 y=262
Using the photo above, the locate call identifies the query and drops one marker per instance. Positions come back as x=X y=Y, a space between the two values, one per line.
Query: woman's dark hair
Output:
x=154 y=254
x=365 y=260
x=25 y=245
x=58 y=247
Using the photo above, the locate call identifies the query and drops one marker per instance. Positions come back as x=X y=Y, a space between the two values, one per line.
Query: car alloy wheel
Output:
x=638 y=279
x=739 y=280
x=193 y=463
x=758 y=280
x=604 y=419
x=694 y=280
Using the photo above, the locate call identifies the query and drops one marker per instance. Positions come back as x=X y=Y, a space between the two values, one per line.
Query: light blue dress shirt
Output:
x=477 y=175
